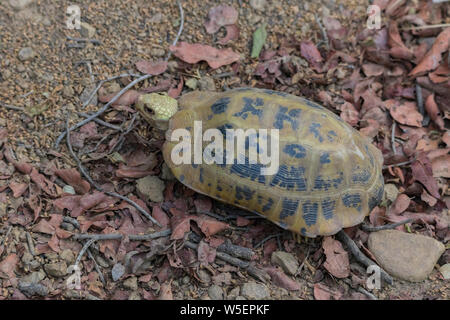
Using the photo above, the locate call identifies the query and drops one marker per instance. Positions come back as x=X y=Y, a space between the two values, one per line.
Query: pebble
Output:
x=157 y=52
x=68 y=256
x=258 y=4
x=406 y=256
x=19 y=4
x=68 y=189
x=215 y=292
x=130 y=283
x=206 y=84
x=6 y=74
x=56 y=269
x=134 y=296
x=391 y=191
x=86 y=30
x=234 y=293
x=191 y=83
x=26 y=53
x=445 y=271
x=286 y=261
x=151 y=188
x=254 y=291
x=204 y=276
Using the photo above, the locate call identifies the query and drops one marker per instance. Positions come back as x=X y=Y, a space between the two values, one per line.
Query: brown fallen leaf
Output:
x=422 y=171
x=434 y=112
x=349 y=113
x=441 y=166
x=151 y=67
x=404 y=113
x=401 y=204
x=45 y=184
x=18 y=189
x=205 y=253
x=166 y=291
x=280 y=279
x=219 y=16
x=126 y=99
x=209 y=226
x=8 y=265
x=193 y=53
x=433 y=57
x=232 y=34
x=73 y=177
x=322 y=292
x=310 y=52
x=337 y=262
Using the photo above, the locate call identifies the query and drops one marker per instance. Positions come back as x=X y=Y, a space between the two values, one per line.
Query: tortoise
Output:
x=329 y=175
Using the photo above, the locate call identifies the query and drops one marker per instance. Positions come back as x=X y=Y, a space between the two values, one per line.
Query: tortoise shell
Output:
x=329 y=175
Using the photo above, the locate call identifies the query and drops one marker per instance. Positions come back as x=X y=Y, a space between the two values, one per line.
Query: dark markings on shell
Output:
x=295 y=150
x=290 y=117
x=268 y=205
x=248 y=171
x=251 y=106
x=325 y=158
x=328 y=207
x=313 y=104
x=331 y=135
x=290 y=178
x=288 y=208
x=303 y=231
x=182 y=177
x=278 y=93
x=352 y=201
x=310 y=210
x=200 y=178
x=314 y=129
x=224 y=127
x=244 y=193
x=195 y=166
x=321 y=183
x=219 y=188
x=376 y=198
x=221 y=105
x=360 y=176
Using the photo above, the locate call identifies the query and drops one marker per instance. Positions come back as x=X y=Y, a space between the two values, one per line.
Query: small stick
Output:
x=393 y=137
x=30 y=244
x=361 y=257
x=323 y=31
x=83 y=250
x=101 y=122
x=88 y=177
x=94 y=41
x=96 y=266
x=6 y=235
x=180 y=30
x=72 y=221
x=118 y=236
x=267 y=239
x=361 y=290
x=8 y=106
x=386 y=226
x=399 y=164
x=442 y=25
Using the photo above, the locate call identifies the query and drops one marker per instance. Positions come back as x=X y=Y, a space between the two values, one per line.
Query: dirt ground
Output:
x=43 y=91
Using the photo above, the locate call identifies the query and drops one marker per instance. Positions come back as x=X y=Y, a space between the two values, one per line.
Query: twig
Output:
x=228 y=247
x=96 y=266
x=119 y=142
x=393 y=137
x=88 y=177
x=267 y=239
x=323 y=31
x=94 y=41
x=30 y=244
x=180 y=30
x=386 y=226
x=252 y=270
x=359 y=256
x=419 y=98
x=399 y=164
x=433 y=26
x=6 y=235
x=8 y=106
x=361 y=290
x=72 y=221
x=101 y=122
x=83 y=250
x=118 y=236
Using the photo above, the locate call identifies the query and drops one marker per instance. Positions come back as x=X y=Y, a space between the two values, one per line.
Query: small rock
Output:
x=286 y=261
x=130 y=283
x=21 y=68
x=67 y=226
x=234 y=293
x=117 y=271
x=215 y=292
x=32 y=289
x=26 y=53
x=68 y=256
x=19 y=4
x=406 y=256
x=391 y=191
x=254 y=291
x=151 y=188
x=156 y=18
x=6 y=74
x=206 y=84
x=134 y=296
x=157 y=52
x=204 y=277
x=191 y=83
x=445 y=270
x=68 y=189
x=68 y=92
x=87 y=30
x=56 y=269
x=258 y=4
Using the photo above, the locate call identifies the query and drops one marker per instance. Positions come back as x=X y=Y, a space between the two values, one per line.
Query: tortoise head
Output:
x=157 y=109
